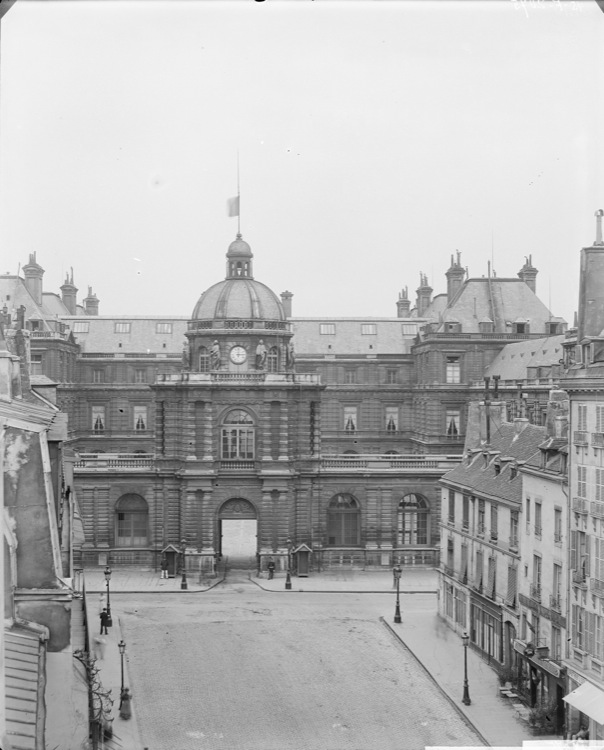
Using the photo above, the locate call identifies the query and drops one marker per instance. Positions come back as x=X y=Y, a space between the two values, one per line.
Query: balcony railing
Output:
x=580 y=437
x=554 y=602
x=579 y=577
x=535 y=592
x=513 y=542
x=597 y=586
x=597 y=508
x=580 y=505
x=382 y=462
x=238 y=465
x=597 y=439
x=115 y=461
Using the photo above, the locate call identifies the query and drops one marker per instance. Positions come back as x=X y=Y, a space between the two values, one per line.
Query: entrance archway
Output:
x=238 y=533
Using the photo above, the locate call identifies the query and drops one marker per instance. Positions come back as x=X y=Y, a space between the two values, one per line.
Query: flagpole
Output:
x=238 y=198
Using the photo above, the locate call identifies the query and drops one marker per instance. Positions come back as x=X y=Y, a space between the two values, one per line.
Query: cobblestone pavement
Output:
x=238 y=669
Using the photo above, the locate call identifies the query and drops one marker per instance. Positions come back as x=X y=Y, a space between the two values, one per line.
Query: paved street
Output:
x=241 y=668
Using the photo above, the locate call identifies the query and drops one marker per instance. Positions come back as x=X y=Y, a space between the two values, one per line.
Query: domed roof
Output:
x=239 y=247
x=239 y=299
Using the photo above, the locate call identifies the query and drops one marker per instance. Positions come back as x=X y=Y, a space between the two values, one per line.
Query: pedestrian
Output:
x=99 y=647
x=125 y=707
x=164 y=566
x=104 y=621
x=271 y=569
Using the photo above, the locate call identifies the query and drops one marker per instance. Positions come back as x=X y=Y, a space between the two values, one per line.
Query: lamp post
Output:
x=466 y=692
x=397 y=577
x=183 y=549
x=288 y=577
x=122 y=647
x=107 y=574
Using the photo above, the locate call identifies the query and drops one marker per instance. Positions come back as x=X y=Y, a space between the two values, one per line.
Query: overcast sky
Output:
x=375 y=139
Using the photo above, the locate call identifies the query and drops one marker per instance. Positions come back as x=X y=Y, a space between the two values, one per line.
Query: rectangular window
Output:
x=556 y=586
x=479 y=570
x=512 y=591
x=368 y=329
x=452 y=422
x=140 y=418
x=494 y=518
x=409 y=329
x=453 y=370
x=599 y=485
x=598 y=559
x=460 y=607
x=140 y=376
x=582 y=417
x=98 y=418
x=327 y=329
x=122 y=327
x=391 y=377
x=465 y=517
x=350 y=376
x=582 y=481
x=577 y=633
x=36 y=364
x=536 y=585
x=163 y=328
x=599 y=418
x=481 y=518
x=490 y=592
x=556 y=644
x=528 y=514
x=558 y=525
x=514 y=529
x=537 y=519
x=450 y=556
x=451 y=506
x=350 y=418
x=98 y=376
x=463 y=573
x=392 y=418
x=80 y=326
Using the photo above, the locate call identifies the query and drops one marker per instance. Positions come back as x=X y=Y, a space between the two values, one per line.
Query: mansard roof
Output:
x=509 y=447
x=105 y=334
x=392 y=336
x=515 y=359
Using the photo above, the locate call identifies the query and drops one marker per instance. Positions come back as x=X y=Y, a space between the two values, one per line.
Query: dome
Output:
x=239 y=299
x=239 y=247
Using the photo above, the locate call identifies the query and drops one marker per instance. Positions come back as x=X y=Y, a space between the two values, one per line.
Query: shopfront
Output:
x=585 y=703
x=541 y=681
x=486 y=627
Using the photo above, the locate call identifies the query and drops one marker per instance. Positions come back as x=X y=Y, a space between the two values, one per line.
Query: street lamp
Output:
x=122 y=647
x=108 y=578
x=183 y=549
x=288 y=577
x=397 y=577
x=466 y=693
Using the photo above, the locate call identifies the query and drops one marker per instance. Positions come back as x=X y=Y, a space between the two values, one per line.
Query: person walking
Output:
x=164 y=566
x=125 y=704
x=271 y=569
x=104 y=621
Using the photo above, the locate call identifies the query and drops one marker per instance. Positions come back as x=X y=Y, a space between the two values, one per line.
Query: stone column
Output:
x=265 y=412
x=208 y=423
x=283 y=432
x=265 y=524
x=207 y=522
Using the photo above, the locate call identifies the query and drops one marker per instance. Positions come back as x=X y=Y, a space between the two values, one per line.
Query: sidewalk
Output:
x=126 y=735
x=438 y=648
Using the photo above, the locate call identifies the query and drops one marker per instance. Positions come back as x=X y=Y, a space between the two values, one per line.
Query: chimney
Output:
x=33 y=278
x=455 y=276
x=68 y=294
x=591 y=289
x=403 y=304
x=519 y=424
x=528 y=273
x=286 y=300
x=91 y=303
x=424 y=295
x=556 y=418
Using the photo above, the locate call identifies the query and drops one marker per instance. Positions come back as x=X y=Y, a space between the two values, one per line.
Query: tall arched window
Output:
x=272 y=364
x=343 y=521
x=238 y=436
x=204 y=360
x=132 y=521
x=413 y=521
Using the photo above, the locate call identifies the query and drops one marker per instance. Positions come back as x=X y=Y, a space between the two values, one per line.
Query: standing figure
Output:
x=290 y=356
x=271 y=569
x=104 y=621
x=125 y=704
x=215 y=356
x=164 y=566
x=261 y=353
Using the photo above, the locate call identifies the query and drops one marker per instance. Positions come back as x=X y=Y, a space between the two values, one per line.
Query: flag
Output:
x=233 y=206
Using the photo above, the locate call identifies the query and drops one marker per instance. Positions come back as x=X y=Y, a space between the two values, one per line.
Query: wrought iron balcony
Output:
x=535 y=592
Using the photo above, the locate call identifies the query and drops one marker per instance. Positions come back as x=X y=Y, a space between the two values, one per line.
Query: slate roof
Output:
x=142 y=337
x=512 y=300
x=514 y=359
x=14 y=293
x=23 y=673
x=393 y=336
x=472 y=474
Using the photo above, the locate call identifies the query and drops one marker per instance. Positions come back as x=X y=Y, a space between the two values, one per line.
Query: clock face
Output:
x=238 y=355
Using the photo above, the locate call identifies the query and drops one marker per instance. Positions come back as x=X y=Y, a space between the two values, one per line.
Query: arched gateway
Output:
x=238 y=532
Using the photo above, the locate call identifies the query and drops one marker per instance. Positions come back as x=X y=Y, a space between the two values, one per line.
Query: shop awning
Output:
x=589 y=700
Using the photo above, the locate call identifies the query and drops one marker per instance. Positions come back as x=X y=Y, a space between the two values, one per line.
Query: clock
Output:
x=238 y=355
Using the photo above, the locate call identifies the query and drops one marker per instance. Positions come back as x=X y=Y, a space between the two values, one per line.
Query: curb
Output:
x=156 y=593
x=451 y=701
x=336 y=591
